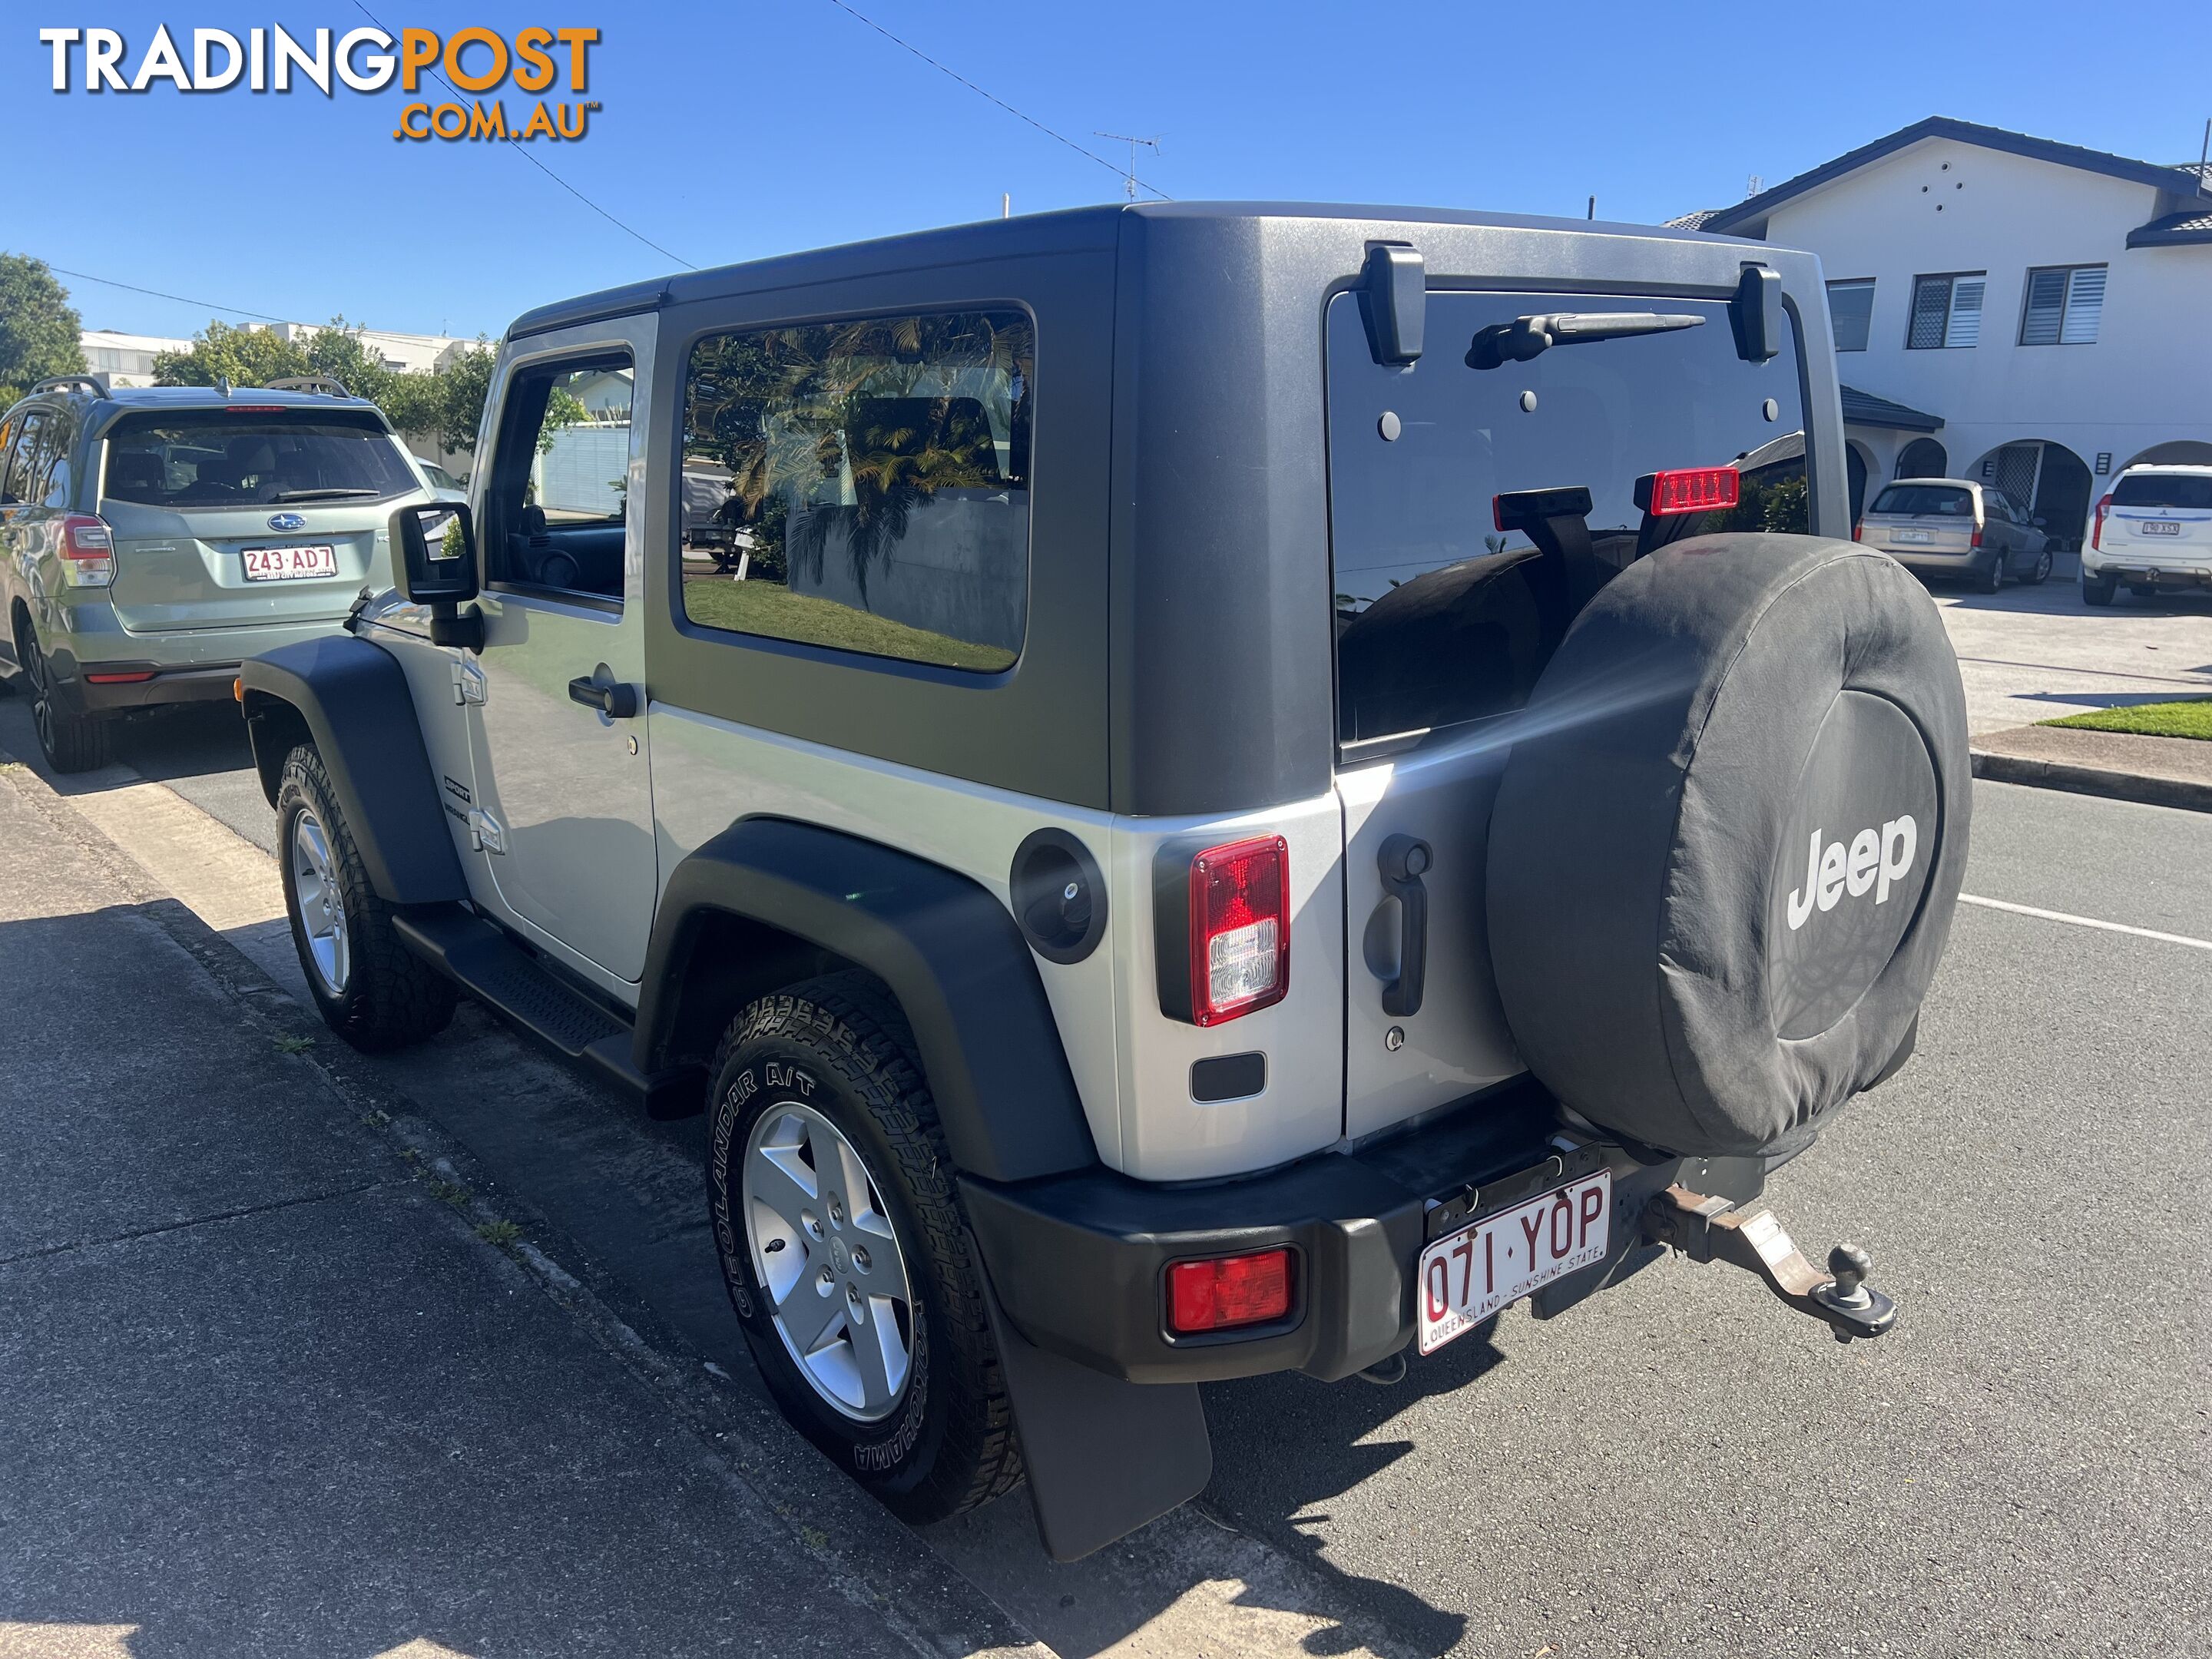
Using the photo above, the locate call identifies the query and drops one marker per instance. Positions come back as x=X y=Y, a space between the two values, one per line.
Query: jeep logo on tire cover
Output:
x=1853 y=861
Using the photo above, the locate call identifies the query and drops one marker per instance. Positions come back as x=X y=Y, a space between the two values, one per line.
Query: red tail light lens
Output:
x=2097 y=531
x=1975 y=540
x=88 y=551
x=1693 y=490
x=1858 y=533
x=1240 y=928
x=1229 y=1291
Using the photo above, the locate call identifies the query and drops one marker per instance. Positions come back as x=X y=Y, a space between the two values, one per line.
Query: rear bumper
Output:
x=1972 y=562
x=1079 y=1261
x=2142 y=573
x=109 y=687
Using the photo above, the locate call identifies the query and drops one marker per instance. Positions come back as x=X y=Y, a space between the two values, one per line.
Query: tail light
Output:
x=1229 y=1291
x=1858 y=533
x=2097 y=531
x=88 y=551
x=1240 y=928
x=1975 y=540
x=1690 y=489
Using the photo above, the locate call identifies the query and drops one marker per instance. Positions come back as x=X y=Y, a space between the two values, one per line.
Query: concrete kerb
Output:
x=873 y=1560
x=2154 y=771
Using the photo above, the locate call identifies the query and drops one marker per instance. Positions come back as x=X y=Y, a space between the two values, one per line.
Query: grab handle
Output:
x=1404 y=860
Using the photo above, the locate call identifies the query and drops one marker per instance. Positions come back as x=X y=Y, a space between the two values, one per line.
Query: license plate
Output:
x=289 y=564
x=2160 y=526
x=1912 y=535
x=1468 y=1275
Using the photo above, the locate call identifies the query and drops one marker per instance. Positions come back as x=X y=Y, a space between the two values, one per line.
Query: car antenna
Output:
x=222 y=384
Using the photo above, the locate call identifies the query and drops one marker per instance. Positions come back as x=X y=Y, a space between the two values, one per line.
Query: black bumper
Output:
x=1079 y=1261
x=90 y=688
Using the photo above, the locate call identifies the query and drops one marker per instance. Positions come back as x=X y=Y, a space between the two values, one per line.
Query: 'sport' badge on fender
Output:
x=1853 y=861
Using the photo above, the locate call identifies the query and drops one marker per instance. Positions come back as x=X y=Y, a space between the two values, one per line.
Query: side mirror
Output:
x=434 y=562
x=433 y=553
x=2039 y=522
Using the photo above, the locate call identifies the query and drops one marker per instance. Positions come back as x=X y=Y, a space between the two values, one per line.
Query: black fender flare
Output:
x=352 y=699
x=948 y=950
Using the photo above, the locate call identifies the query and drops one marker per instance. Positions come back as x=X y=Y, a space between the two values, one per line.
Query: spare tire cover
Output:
x=1728 y=840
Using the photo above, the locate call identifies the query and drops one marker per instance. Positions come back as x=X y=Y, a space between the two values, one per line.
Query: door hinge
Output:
x=469 y=684
x=484 y=834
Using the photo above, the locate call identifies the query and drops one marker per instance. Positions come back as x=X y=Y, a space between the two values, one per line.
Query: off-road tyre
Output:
x=2095 y=592
x=392 y=998
x=70 y=742
x=839 y=1045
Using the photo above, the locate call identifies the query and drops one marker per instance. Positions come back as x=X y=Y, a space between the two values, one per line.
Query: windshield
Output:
x=223 y=458
x=2190 y=491
x=1925 y=501
x=1437 y=620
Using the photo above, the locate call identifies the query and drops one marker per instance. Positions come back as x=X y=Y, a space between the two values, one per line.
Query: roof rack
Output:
x=72 y=382
x=321 y=385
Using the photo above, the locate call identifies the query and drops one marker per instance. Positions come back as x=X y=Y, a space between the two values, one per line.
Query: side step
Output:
x=506 y=978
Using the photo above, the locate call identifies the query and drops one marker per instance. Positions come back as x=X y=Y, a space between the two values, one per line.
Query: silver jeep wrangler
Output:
x=1194 y=790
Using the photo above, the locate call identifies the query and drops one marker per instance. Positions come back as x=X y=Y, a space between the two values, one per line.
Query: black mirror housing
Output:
x=433 y=553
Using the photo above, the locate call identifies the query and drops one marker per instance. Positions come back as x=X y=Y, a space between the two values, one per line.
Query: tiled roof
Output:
x=1695 y=220
x=2175 y=229
x=1865 y=409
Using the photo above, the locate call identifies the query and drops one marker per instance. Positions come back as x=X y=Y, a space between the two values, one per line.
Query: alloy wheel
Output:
x=823 y=1250
x=322 y=910
x=42 y=702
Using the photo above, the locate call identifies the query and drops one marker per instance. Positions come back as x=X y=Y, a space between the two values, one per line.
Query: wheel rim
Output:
x=2043 y=566
x=825 y=1253
x=322 y=911
x=42 y=702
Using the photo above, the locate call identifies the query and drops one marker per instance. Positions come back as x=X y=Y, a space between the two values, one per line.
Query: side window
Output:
x=863 y=485
x=1850 y=313
x=557 y=513
x=50 y=476
x=14 y=480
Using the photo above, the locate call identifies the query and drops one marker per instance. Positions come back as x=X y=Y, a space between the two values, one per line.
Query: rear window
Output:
x=1925 y=501
x=219 y=458
x=2182 y=490
x=1441 y=617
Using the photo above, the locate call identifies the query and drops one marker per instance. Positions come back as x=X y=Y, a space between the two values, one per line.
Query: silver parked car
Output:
x=151 y=539
x=1956 y=527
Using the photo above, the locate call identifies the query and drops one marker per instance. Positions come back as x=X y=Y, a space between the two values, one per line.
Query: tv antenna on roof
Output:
x=1152 y=144
x=1753 y=185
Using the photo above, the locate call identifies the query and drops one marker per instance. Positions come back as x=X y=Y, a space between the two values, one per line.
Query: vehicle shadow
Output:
x=2112 y=699
x=1285 y=1446
x=190 y=740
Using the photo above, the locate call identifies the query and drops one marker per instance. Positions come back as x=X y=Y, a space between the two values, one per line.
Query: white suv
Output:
x=2154 y=533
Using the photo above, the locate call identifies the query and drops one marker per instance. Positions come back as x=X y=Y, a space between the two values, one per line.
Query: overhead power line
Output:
x=236 y=311
x=1113 y=167
x=516 y=145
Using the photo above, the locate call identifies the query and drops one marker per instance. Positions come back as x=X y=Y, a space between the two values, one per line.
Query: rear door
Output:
x=1446 y=612
x=247 y=515
x=563 y=790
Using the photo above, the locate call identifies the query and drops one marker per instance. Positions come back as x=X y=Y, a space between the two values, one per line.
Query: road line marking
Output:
x=2086 y=921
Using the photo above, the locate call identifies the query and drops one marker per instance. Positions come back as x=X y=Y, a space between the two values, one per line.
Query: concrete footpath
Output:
x=276 y=1377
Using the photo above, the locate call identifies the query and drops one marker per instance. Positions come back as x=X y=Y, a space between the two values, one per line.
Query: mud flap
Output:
x=1104 y=1457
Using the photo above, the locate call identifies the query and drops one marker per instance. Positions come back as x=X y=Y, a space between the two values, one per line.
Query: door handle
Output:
x=611 y=698
x=1404 y=860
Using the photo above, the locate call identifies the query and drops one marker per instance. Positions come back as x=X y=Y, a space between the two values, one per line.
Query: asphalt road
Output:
x=1683 y=1466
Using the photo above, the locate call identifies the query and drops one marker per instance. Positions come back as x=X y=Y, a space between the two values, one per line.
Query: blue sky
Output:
x=734 y=130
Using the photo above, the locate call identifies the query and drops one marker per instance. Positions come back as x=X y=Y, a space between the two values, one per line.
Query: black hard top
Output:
x=1068 y=231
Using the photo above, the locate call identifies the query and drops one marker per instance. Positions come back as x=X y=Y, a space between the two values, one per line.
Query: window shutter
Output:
x=2046 y=307
x=1931 y=304
x=2085 y=305
x=1966 y=328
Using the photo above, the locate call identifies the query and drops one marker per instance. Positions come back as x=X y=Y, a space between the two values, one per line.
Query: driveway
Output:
x=2032 y=653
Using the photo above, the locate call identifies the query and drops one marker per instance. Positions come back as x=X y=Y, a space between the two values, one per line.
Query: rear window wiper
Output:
x=1523 y=337
x=320 y=495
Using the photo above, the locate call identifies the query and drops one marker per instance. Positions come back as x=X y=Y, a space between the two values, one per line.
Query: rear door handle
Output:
x=611 y=698
x=1403 y=860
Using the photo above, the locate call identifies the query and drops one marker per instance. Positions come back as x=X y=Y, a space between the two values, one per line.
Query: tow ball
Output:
x=1713 y=1229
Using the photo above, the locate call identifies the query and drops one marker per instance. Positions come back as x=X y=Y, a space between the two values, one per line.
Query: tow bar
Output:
x=1714 y=1229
